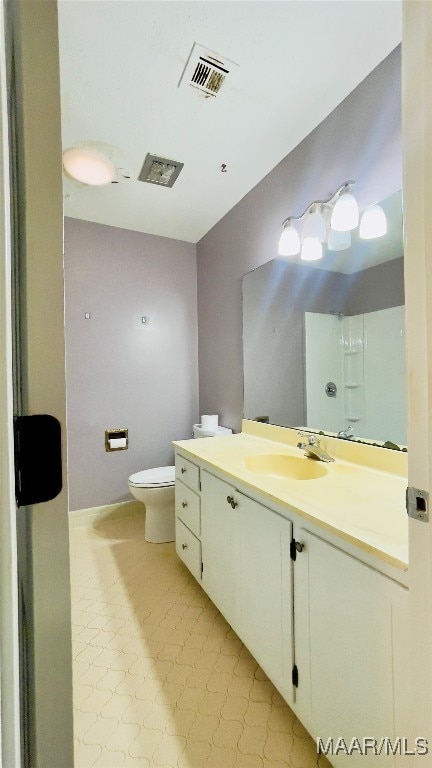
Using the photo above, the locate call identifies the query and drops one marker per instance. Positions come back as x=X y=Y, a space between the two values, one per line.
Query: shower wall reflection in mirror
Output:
x=323 y=343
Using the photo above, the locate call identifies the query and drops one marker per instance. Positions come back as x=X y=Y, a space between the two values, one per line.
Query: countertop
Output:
x=363 y=505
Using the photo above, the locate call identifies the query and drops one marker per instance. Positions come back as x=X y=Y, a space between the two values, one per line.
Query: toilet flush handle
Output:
x=184 y=504
x=184 y=546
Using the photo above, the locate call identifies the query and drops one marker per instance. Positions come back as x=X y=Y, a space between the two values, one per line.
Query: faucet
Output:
x=313 y=448
x=347 y=434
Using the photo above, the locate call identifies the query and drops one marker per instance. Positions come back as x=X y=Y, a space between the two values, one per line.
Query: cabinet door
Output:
x=350 y=659
x=217 y=543
x=264 y=588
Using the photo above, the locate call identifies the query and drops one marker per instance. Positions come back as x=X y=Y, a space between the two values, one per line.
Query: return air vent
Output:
x=160 y=171
x=206 y=71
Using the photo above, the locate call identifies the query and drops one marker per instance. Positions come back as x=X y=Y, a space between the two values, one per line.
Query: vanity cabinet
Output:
x=247 y=573
x=188 y=515
x=351 y=649
x=328 y=627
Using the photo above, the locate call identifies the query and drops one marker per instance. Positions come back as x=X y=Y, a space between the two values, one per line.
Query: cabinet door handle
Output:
x=299 y=546
x=184 y=504
x=183 y=470
x=230 y=500
x=184 y=546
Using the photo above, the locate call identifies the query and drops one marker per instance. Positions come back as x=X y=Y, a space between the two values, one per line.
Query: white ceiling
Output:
x=121 y=63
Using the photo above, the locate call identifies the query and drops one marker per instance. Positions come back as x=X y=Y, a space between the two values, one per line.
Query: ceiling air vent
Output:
x=206 y=71
x=160 y=171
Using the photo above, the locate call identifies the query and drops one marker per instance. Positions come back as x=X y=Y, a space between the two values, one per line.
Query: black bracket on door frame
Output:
x=38 y=462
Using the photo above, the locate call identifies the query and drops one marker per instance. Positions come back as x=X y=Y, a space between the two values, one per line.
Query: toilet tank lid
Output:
x=154 y=477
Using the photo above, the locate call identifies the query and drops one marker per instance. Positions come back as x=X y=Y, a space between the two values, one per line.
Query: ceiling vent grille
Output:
x=206 y=71
x=160 y=171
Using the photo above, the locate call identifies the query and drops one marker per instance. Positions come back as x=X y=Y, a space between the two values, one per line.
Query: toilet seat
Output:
x=158 y=477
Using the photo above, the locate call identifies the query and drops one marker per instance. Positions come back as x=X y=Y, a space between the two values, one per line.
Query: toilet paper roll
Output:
x=209 y=422
x=117 y=442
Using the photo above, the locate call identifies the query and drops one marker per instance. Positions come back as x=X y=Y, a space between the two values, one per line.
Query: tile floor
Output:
x=160 y=679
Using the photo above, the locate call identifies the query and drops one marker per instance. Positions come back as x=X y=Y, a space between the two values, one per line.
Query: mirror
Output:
x=323 y=342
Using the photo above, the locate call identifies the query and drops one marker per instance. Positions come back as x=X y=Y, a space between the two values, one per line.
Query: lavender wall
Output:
x=121 y=373
x=361 y=140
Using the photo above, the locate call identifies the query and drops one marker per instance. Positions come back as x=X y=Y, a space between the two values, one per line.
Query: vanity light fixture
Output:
x=345 y=214
x=373 y=223
x=311 y=249
x=289 y=243
x=341 y=210
x=315 y=225
x=338 y=241
x=89 y=166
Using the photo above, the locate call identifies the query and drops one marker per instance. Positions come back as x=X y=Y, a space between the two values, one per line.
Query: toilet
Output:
x=155 y=489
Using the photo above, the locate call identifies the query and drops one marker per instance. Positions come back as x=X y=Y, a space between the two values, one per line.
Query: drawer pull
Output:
x=184 y=546
x=184 y=504
x=183 y=470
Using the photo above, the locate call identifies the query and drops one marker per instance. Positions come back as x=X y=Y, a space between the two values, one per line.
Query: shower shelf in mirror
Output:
x=352 y=385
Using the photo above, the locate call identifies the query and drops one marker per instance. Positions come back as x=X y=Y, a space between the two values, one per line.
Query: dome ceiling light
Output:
x=89 y=166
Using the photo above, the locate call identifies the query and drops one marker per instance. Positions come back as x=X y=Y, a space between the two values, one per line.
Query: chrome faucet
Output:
x=313 y=448
x=347 y=434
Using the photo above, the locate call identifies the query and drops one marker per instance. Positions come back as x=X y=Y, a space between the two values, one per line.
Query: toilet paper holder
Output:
x=116 y=439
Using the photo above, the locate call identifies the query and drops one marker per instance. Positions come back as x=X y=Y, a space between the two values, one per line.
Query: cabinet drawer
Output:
x=187 y=506
x=188 y=548
x=187 y=472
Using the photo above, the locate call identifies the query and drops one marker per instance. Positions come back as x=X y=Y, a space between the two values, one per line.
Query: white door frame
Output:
x=9 y=646
x=417 y=189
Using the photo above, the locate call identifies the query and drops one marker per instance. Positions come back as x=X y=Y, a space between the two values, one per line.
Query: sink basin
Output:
x=285 y=466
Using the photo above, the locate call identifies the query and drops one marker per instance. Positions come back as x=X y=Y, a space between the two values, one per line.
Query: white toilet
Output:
x=155 y=489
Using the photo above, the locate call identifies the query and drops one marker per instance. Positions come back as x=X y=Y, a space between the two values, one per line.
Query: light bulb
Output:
x=311 y=249
x=289 y=243
x=345 y=214
x=315 y=226
x=373 y=223
x=88 y=166
x=338 y=241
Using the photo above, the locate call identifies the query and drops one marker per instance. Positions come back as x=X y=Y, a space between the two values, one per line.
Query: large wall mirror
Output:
x=323 y=343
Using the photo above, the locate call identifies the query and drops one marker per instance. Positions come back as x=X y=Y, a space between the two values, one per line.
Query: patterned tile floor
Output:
x=160 y=679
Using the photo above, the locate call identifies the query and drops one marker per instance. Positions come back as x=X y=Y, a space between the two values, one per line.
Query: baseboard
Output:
x=87 y=517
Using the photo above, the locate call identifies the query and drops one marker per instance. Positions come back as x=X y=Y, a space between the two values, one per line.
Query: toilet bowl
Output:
x=155 y=489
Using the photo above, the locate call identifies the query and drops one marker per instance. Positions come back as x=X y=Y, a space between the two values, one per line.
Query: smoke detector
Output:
x=206 y=71
x=160 y=171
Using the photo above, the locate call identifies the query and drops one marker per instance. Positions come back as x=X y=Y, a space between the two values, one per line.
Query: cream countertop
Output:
x=363 y=505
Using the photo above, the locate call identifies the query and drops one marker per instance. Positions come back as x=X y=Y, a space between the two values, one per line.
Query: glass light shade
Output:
x=289 y=243
x=315 y=226
x=338 y=241
x=88 y=166
x=373 y=223
x=345 y=214
x=311 y=249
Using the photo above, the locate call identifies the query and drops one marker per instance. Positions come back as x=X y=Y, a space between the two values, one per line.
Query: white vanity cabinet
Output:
x=351 y=654
x=188 y=515
x=247 y=573
x=326 y=621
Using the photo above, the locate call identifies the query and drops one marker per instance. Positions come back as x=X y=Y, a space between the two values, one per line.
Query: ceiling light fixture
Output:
x=89 y=166
x=373 y=223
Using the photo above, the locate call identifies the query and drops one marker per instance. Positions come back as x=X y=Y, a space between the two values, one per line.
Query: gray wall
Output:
x=121 y=373
x=361 y=140
x=376 y=288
